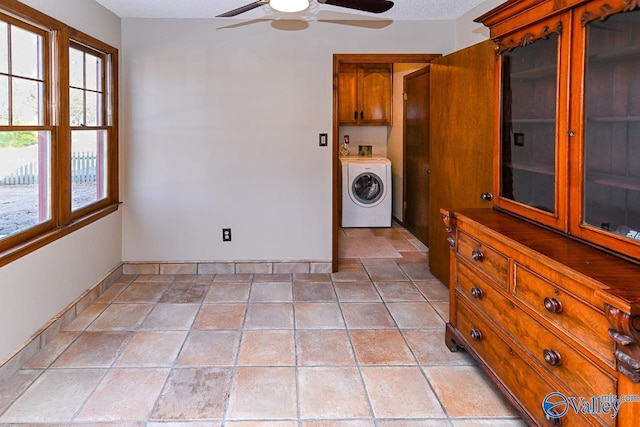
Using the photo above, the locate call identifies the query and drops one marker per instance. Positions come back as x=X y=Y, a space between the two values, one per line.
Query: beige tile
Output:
x=282 y=277
x=320 y=267
x=209 y=348
x=142 y=292
x=357 y=292
x=220 y=316
x=185 y=293
x=267 y=348
x=415 y=315
x=124 y=394
x=223 y=292
x=141 y=268
x=227 y=268
x=418 y=272
x=442 y=308
x=55 y=397
x=399 y=291
x=350 y=275
x=179 y=268
x=433 y=290
x=263 y=393
x=184 y=424
x=94 y=350
x=15 y=385
x=269 y=316
x=171 y=317
x=121 y=317
x=196 y=279
x=324 y=348
x=386 y=273
x=271 y=292
x=313 y=292
x=339 y=423
x=332 y=392
x=381 y=347
x=254 y=268
x=152 y=349
x=465 y=392
x=367 y=316
x=414 y=423
x=400 y=392
x=430 y=348
x=112 y=293
x=155 y=278
x=367 y=247
x=84 y=319
x=261 y=424
x=312 y=277
x=197 y=393
x=291 y=267
x=413 y=257
x=233 y=278
x=46 y=356
x=318 y=316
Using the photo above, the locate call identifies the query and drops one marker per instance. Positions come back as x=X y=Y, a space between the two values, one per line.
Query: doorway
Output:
x=338 y=60
x=416 y=154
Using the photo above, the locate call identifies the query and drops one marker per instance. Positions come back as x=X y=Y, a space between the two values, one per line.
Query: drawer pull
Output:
x=552 y=357
x=476 y=292
x=477 y=255
x=552 y=305
x=476 y=335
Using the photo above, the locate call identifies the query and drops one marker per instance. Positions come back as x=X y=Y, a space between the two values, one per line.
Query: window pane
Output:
x=76 y=101
x=612 y=134
x=4 y=47
x=76 y=65
x=94 y=111
x=94 y=72
x=24 y=180
x=528 y=124
x=27 y=102
x=88 y=167
x=4 y=100
x=25 y=53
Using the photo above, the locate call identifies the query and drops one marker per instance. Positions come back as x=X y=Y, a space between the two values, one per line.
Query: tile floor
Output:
x=363 y=347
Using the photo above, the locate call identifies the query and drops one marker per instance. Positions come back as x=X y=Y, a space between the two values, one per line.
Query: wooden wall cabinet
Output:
x=365 y=94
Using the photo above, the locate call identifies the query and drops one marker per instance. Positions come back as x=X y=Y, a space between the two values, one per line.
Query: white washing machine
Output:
x=366 y=192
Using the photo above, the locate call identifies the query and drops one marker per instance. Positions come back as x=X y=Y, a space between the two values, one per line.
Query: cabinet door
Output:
x=607 y=161
x=531 y=175
x=375 y=94
x=348 y=94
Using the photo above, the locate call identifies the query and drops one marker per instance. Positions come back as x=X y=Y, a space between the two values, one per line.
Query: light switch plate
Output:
x=323 y=140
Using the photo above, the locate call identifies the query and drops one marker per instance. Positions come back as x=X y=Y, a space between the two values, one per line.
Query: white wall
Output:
x=34 y=288
x=222 y=129
x=469 y=32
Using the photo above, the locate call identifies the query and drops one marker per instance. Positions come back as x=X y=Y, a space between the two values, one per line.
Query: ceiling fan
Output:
x=373 y=6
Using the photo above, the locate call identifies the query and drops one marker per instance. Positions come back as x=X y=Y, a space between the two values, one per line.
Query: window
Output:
x=58 y=130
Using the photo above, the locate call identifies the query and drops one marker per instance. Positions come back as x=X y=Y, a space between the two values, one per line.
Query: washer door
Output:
x=367 y=188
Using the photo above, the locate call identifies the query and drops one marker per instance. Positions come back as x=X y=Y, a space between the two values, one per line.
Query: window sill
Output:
x=50 y=236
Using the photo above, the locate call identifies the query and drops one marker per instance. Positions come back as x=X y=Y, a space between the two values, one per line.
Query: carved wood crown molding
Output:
x=529 y=38
x=606 y=11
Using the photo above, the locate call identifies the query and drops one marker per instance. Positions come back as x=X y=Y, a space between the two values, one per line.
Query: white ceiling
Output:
x=403 y=10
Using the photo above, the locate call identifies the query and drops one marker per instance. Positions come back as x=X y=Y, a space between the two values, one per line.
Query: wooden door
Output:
x=416 y=154
x=348 y=94
x=461 y=140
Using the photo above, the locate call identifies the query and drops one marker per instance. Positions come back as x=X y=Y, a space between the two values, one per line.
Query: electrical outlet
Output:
x=323 y=140
x=226 y=234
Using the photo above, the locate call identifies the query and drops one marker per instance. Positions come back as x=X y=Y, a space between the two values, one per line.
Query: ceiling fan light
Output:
x=289 y=5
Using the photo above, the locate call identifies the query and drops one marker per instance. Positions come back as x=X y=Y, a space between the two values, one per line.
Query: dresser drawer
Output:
x=516 y=373
x=583 y=322
x=485 y=258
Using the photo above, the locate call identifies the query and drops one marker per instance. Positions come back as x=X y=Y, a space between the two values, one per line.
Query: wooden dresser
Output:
x=548 y=318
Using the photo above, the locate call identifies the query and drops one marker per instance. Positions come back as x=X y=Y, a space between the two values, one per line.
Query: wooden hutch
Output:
x=545 y=287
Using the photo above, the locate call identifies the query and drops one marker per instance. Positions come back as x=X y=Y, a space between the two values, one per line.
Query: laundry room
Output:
x=382 y=135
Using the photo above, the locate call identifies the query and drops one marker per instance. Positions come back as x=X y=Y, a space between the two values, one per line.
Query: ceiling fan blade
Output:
x=373 y=6
x=242 y=9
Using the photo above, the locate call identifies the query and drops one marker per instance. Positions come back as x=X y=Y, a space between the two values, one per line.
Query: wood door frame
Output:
x=425 y=70
x=362 y=58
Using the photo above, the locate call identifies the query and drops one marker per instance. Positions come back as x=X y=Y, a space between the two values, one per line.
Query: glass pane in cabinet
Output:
x=612 y=129
x=529 y=84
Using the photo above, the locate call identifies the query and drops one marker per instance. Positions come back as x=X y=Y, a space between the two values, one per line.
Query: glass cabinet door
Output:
x=611 y=135
x=530 y=146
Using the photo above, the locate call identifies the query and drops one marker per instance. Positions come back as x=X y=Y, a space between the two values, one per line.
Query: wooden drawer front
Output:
x=518 y=375
x=480 y=291
x=493 y=263
x=588 y=325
